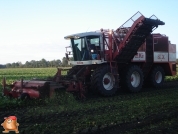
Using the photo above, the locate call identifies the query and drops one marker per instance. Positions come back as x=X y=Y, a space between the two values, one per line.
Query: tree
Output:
x=34 y=64
x=58 y=63
x=64 y=62
x=20 y=64
x=13 y=65
x=71 y=58
x=43 y=62
x=27 y=64
x=8 y=65
x=2 y=66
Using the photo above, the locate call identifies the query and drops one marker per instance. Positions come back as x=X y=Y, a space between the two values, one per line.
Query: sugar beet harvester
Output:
x=104 y=60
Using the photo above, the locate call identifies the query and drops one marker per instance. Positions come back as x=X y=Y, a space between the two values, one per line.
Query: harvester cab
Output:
x=86 y=48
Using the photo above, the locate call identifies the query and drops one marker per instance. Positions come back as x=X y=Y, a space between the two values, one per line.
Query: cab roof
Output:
x=79 y=35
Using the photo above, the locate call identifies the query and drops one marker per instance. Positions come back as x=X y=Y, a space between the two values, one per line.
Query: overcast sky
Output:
x=35 y=29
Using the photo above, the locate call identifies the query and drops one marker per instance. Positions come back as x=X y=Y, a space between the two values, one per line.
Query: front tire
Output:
x=132 y=78
x=103 y=81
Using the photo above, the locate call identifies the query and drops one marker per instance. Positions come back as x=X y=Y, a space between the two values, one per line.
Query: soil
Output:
x=66 y=121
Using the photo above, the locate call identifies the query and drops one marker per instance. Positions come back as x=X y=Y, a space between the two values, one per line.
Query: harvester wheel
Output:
x=132 y=78
x=157 y=77
x=24 y=96
x=103 y=81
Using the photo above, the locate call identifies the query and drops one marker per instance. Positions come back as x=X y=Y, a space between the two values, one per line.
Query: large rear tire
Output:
x=103 y=81
x=157 y=77
x=132 y=79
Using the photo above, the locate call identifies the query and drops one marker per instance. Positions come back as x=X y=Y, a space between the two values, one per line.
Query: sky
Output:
x=35 y=29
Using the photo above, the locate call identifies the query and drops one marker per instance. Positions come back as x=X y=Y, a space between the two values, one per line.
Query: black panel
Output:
x=161 y=44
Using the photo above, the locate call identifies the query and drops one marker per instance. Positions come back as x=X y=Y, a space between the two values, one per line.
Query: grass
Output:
x=27 y=73
x=170 y=78
x=14 y=74
x=64 y=114
x=97 y=112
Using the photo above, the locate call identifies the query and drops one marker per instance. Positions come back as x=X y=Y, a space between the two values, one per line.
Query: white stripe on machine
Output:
x=139 y=57
x=172 y=57
x=160 y=57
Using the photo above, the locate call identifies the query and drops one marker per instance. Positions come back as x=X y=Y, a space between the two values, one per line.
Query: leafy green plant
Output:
x=64 y=114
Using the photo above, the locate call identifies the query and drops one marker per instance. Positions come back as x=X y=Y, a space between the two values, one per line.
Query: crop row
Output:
x=64 y=114
x=67 y=115
x=30 y=73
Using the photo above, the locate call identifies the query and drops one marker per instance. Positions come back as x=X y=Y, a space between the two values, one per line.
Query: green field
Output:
x=152 y=110
x=27 y=73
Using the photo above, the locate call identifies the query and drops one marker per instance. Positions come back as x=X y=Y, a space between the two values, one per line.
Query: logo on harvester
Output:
x=161 y=56
x=139 y=55
x=79 y=62
x=10 y=124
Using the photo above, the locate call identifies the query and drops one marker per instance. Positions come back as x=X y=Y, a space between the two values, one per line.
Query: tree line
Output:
x=37 y=64
x=40 y=64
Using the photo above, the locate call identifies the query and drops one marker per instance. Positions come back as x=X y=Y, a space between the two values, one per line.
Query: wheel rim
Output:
x=135 y=79
x=158 y=77
x=108 y=81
